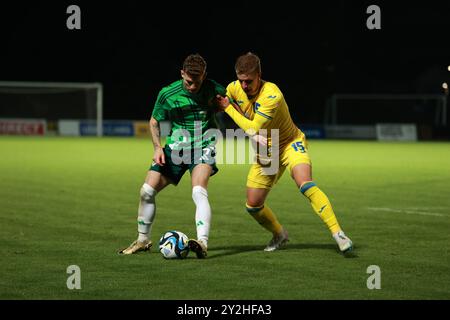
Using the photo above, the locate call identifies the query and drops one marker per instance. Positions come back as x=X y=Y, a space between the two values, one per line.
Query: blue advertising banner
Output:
x=110 y=128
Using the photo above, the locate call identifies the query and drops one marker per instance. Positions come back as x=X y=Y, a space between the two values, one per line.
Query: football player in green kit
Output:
x=190 y=105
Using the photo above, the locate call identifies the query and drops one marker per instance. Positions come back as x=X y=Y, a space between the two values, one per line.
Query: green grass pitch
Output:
x=73 y=201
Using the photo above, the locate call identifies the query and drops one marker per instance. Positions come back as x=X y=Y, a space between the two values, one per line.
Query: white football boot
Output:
x=344 y=242
x=277 y=241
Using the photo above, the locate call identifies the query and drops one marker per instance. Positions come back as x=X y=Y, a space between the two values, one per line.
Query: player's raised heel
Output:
x=277 y=241
x=137 y=246
x=198 y=247
x=344 y=242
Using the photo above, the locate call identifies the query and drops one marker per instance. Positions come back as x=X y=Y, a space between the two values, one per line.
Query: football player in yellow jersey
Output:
x=256 y=105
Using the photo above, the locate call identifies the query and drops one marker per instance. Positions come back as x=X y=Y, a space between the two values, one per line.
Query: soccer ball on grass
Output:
x=174 y=245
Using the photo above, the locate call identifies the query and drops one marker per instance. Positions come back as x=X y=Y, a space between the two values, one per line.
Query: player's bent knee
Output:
x=147 y=193
x=254 y=202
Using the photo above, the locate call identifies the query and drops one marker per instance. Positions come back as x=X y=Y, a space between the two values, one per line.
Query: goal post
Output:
x=12 y=107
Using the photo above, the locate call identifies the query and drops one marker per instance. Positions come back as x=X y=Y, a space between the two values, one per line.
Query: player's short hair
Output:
x=194 y=65
x=248 y=63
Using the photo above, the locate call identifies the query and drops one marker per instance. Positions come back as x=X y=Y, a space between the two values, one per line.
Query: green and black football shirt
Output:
x=191 y=114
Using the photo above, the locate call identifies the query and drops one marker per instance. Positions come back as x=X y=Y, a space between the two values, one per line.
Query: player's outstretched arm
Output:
x=155 y=130
x=244 y=123
x=223 y=101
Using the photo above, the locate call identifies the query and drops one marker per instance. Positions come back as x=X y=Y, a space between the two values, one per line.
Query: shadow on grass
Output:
x=232 y=250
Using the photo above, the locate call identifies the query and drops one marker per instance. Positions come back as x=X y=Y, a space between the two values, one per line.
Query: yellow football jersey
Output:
x=267 y=110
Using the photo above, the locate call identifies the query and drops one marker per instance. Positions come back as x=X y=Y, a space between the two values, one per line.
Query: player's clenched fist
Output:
x=222 y=102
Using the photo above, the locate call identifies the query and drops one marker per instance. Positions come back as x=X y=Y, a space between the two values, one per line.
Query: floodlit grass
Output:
x=73 y=201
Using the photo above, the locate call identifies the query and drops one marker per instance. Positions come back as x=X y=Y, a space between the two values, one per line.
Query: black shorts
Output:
x=178 y=162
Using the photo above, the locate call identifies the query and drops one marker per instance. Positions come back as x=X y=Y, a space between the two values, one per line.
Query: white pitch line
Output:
x=428 y=208
x=422 y=213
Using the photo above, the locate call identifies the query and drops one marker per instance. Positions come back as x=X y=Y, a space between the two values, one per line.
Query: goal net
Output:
x=371 y=109
x=47 y=103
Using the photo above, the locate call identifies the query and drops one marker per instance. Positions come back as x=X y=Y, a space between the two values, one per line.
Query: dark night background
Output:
x=309 y=50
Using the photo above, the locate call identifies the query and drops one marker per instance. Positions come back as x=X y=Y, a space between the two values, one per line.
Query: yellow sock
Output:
x=321 y=205
x=266 y=218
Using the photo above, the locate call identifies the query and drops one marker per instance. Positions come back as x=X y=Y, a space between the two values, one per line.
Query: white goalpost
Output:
x=19 y=99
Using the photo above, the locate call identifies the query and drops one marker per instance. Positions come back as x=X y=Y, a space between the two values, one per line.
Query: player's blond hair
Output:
x=248 y=63
x=194 y=65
